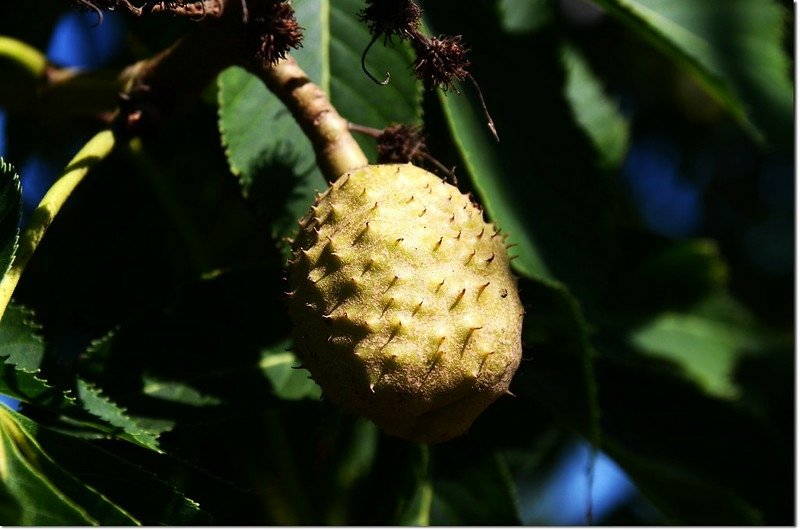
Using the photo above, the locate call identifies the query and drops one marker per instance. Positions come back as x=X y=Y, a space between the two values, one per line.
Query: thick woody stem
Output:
x=337 y=151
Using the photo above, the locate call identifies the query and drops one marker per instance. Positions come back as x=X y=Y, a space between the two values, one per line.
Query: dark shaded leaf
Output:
x=351 y=462
x=22 y=379
x=543 y=188
x=208 y=339
x=45 y=492
x=10 y=214
x=664 y=431
x=211 y=343
x=120 y=488
x=673 y=439
x=683 y=494
x=415 y=508
x=471 y=488
x=524 y=16
x=22 y=351
x=674 y=276
x=733 y=47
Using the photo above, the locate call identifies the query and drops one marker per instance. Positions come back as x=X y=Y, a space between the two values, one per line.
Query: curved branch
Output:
x=337 y=151
x=27 y=57
x=97 y=149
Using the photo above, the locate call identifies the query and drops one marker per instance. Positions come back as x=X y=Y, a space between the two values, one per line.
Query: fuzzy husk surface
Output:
x=404 y=306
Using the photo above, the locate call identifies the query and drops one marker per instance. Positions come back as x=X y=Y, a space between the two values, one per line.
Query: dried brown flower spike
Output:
x=389 y=18
x=440 y=60
x=273 y=29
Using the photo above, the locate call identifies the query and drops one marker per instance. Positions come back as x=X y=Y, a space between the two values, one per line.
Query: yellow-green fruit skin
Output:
x=404 y=306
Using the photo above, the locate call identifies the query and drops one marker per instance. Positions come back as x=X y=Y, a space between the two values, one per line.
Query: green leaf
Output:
x=177 y=392
x=267 y=150
x=100 y=406
x=699 y=459
x=356 y=97
x=265 y=146
x=22 y=346
x=733 y=47
x=103 y=487
x=10 y=508
x=599 y=117
x=208 y=341
x=10 y=215
x=675 y=276
x=483 y=164
x=415 y=510
x=678 y=443
x=22 y=351
x=198 y=349
x=706 y=341
x=21 y=378
x=524 y=16
x=289 y=380
x=354 y=444
x=683 y=494
x=562 y=378
x=540 y=184
x=46 y=493
x=480 y=493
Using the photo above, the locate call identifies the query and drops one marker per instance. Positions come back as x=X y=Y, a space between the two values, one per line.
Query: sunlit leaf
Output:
x=594 y=111
x=705 y=341
x=177 y=392
x=289 y=380
x=93 y=400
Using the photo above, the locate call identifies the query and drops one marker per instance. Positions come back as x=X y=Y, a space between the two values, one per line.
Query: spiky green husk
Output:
x=404 y=306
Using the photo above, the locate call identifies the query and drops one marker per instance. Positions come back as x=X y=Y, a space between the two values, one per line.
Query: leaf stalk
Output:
x=97 y=149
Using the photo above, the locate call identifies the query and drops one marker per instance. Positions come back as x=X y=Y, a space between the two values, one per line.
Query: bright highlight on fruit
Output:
x=404 y=306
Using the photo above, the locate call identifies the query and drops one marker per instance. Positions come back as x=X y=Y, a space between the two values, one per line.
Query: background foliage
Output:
x=645 y=173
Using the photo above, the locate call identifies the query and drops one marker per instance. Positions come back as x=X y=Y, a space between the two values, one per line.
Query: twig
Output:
x=192 y=9
x=337 y=151
x=92 y=153
x=27 y=57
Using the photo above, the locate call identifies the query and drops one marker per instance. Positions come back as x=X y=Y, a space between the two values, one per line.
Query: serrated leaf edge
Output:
x=136 y=434
x=6 y=167
x=10 y=416
x=33 y=326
